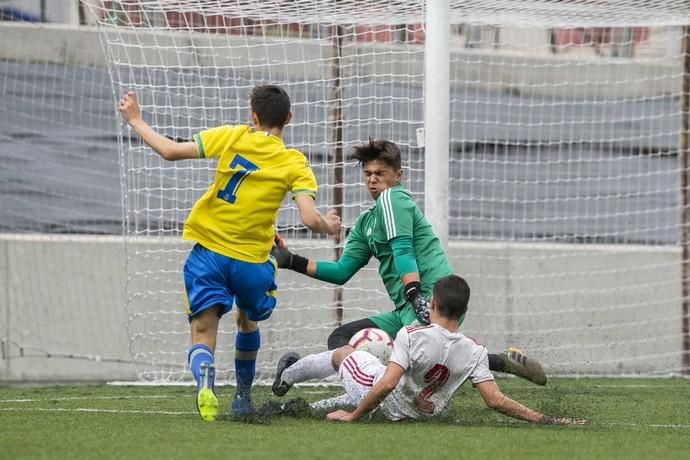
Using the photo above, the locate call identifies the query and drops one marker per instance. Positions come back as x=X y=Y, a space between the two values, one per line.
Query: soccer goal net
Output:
x=566 y=174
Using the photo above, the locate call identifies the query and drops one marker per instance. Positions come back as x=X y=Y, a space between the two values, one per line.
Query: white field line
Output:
x=629 y=385
x=328 y=382
x=668 y=426
x=92 y=398
x=83 y=398
x=651 y=425
x=88 y=409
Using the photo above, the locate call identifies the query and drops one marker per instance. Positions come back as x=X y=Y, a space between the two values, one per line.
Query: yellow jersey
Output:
x=255 y=171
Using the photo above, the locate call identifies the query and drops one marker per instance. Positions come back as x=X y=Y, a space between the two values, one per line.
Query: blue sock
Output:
x=246 y=348
x=199 y=354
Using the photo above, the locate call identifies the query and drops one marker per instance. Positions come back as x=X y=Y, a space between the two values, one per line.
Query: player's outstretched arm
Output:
x=495 y=399
x=288 y=259
x=375 y=396
x=332 y=272
x=313 y=219
x=166 y=148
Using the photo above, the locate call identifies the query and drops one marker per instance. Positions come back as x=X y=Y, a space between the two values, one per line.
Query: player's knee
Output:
x=205 y=321
x=340 y=354
x=338 y=338
x=244 y=324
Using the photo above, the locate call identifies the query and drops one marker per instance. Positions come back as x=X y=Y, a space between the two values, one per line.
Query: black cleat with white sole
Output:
x=280 y=388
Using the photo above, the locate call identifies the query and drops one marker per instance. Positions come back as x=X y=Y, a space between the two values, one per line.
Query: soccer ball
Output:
x=374 y=341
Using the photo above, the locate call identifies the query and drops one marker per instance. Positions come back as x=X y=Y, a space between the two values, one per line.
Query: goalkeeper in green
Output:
x=411 y=260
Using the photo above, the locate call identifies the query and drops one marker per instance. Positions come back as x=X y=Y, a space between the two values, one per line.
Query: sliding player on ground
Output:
x=428 y=364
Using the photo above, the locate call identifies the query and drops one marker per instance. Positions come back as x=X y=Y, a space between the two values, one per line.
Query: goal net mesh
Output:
x=565 y=171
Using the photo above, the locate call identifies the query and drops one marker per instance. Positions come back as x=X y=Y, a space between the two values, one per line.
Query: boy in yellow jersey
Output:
x=232 y=224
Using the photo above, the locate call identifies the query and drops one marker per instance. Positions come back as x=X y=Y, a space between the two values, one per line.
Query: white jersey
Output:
x=436 y=363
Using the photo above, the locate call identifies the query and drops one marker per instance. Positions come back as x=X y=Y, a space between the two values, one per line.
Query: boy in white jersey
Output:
x=428 y=364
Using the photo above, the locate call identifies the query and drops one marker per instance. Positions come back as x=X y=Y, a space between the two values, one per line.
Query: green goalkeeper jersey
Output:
x=396 y=214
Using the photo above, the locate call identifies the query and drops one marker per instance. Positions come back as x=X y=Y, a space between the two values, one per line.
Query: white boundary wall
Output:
x=68 y=45
x=63 y=295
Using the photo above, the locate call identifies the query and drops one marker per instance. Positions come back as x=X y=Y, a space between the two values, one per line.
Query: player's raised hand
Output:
x=340 y=416
x=333 y=220
x=129 y=106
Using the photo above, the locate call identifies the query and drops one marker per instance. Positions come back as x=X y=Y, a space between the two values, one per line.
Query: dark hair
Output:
x=378 y=149
x=452 y=294
x=271 y=104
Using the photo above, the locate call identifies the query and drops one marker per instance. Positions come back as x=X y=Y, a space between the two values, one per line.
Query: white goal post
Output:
x=564 y=163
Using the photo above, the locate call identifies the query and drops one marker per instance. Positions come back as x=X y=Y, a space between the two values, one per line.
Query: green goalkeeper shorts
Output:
x=393 y=321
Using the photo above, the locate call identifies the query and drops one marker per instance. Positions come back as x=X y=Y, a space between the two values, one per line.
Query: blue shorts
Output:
x=212 y=279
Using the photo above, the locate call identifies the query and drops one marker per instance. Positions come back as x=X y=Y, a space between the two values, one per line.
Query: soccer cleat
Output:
x=242 y=405
x=519 y=364
x=280 y=388
x=206 y=400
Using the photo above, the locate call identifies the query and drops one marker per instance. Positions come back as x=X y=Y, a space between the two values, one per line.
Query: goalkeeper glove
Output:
x=286 y=259
x=413 y=294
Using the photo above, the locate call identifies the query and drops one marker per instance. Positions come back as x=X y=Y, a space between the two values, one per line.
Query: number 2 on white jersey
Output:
x=435 y=377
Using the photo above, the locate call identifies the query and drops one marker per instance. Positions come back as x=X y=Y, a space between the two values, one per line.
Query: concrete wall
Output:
x=310 y=59
x=63 y=314
x=580 y=309
x=588 y=309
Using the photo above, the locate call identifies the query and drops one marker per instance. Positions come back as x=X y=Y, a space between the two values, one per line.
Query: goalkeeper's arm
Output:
x=333 y=272
x=406 y=265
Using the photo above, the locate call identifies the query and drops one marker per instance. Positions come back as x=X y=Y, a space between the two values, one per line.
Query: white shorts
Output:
x=358 y=373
